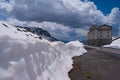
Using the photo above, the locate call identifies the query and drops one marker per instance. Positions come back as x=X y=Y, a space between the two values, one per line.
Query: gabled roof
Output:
x=104 y=26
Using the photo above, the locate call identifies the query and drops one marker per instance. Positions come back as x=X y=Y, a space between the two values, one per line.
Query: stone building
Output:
x=99 y=35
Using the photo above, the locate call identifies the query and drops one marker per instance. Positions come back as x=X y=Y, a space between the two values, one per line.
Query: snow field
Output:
x=114 y=44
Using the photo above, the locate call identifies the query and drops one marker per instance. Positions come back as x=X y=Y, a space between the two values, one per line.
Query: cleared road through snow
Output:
x=96 y=64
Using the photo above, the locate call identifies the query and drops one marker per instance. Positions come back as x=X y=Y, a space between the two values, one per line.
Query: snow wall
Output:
x=36 y=59
x=114 y=44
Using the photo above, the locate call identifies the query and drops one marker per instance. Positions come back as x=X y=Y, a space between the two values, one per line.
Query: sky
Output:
x=106 y=6
x=64 y=19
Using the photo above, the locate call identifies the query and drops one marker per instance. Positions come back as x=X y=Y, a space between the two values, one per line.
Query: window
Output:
x=108 y=36
x=108 y=32
x=100 y=36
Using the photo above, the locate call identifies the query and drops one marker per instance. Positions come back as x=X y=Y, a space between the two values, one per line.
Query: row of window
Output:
x=107 y=32
x=101 y=32
x=107 y=36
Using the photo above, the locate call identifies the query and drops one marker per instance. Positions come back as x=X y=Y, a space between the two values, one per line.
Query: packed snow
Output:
x=114 y=44
x=25 y=57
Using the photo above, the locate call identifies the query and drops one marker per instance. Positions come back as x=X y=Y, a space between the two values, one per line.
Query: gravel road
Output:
x=96 y=65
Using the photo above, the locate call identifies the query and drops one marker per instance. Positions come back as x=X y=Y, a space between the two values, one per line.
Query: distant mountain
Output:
x=40 y=32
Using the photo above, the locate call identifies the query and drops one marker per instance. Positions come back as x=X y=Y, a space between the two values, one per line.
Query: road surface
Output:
x=97 y=64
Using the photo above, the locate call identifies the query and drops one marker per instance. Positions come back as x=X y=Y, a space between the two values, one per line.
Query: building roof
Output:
x=92 y=28
x=104 y=27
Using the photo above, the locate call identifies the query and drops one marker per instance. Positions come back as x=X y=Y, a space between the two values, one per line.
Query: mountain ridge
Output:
x=40 y=32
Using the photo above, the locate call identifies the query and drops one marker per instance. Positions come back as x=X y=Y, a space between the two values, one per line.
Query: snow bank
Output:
x=114 y=44
x=23 y=58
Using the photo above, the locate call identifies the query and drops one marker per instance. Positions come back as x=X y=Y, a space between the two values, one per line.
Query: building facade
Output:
x=99 y=35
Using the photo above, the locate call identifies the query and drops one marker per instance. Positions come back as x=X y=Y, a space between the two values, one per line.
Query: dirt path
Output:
x=96 y=65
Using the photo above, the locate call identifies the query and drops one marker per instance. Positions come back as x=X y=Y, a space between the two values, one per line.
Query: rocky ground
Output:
x=96 y=65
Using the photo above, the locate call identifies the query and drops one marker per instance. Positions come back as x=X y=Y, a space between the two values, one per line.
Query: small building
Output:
x=99 y=35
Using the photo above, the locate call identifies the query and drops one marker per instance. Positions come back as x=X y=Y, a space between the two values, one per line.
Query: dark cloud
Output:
x=55 y=11
x=43 y=10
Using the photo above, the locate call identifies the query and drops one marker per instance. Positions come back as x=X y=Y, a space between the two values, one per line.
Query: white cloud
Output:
x=58 y=31
x=6 y=7
x=15 y=22
x=113 y=17
x=82 y=32
x=68 y=12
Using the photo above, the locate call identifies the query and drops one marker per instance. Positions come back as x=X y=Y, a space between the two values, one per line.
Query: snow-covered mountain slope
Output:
x=40 y=32
x=25 y=57
x=114 y=44
x=16 y=33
